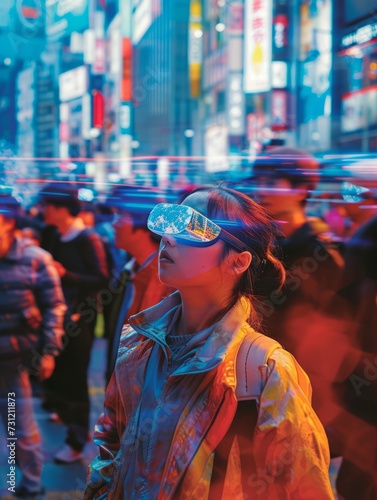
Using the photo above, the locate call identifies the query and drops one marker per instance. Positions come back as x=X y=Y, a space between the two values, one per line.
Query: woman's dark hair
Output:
x=254 y=227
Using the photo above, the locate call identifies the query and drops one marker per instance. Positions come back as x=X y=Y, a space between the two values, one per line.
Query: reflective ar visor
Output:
x=187 y=224
x=352 y=193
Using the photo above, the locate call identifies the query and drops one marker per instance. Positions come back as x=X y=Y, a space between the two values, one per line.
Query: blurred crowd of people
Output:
x=63 y=262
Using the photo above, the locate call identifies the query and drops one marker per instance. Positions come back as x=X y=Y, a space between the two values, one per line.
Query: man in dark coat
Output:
x=81 y=263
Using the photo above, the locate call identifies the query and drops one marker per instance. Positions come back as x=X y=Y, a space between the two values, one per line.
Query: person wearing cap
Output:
x=81 y=263
x=305 y=316
x=138 y=284
x=32 y=309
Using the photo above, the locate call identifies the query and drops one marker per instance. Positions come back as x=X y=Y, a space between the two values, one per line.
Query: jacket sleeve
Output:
x=109 y=428
x=50 y=300
x=290 y=446
x=96 y=273
x=107 y=437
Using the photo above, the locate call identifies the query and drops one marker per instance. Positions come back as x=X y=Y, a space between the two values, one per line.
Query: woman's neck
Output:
x=201 y=310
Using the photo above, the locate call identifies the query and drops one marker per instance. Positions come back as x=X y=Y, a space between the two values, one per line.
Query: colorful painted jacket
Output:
x=290 y=448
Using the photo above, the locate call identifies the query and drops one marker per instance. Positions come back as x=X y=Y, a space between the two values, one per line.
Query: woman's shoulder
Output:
x=264 y=368
x=275 y=355
x=258 y=349
x=289 y=372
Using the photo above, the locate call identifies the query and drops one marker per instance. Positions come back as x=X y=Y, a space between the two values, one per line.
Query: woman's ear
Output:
x=241 y=262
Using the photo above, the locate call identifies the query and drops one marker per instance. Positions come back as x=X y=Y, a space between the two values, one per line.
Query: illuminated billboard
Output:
x=257 y=46
x=142 y=19
x=195 y=47
x=73 y=83
x=126 y=82
x=216 y=148
x=63 y=17
x=315 y=54
x=22 y=29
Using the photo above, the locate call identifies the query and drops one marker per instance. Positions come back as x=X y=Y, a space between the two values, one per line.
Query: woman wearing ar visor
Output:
x=201 y=405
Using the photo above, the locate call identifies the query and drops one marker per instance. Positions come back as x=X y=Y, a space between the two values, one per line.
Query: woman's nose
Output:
x=169 y=239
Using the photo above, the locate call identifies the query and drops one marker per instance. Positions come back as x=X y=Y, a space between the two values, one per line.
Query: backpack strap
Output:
x=251 y=365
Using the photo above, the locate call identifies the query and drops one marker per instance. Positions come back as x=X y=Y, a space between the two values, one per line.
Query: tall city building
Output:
x=161 y=88
x=355 y=116
x=160 y=76
x=22 y=39
x=314 y=64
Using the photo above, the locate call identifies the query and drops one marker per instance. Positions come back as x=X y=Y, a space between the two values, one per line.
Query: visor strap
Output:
x=242 y=247
x=233 y=240
x=262 y=266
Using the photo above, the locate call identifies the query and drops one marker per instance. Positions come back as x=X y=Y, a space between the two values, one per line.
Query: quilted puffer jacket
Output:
x=32 y=305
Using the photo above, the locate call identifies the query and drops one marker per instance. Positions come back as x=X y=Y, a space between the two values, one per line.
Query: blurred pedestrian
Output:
x=99 y=217
x=103 y=226
x=31 y=234
x=87 y=214
x=32 y=311
x=301 y=315
x=177 y=424
x=357 y=476
x=80 y=261
x=360 y=202
x=138 y=286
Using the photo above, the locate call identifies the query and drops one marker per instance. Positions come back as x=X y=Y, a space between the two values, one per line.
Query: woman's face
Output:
x=184 y=266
